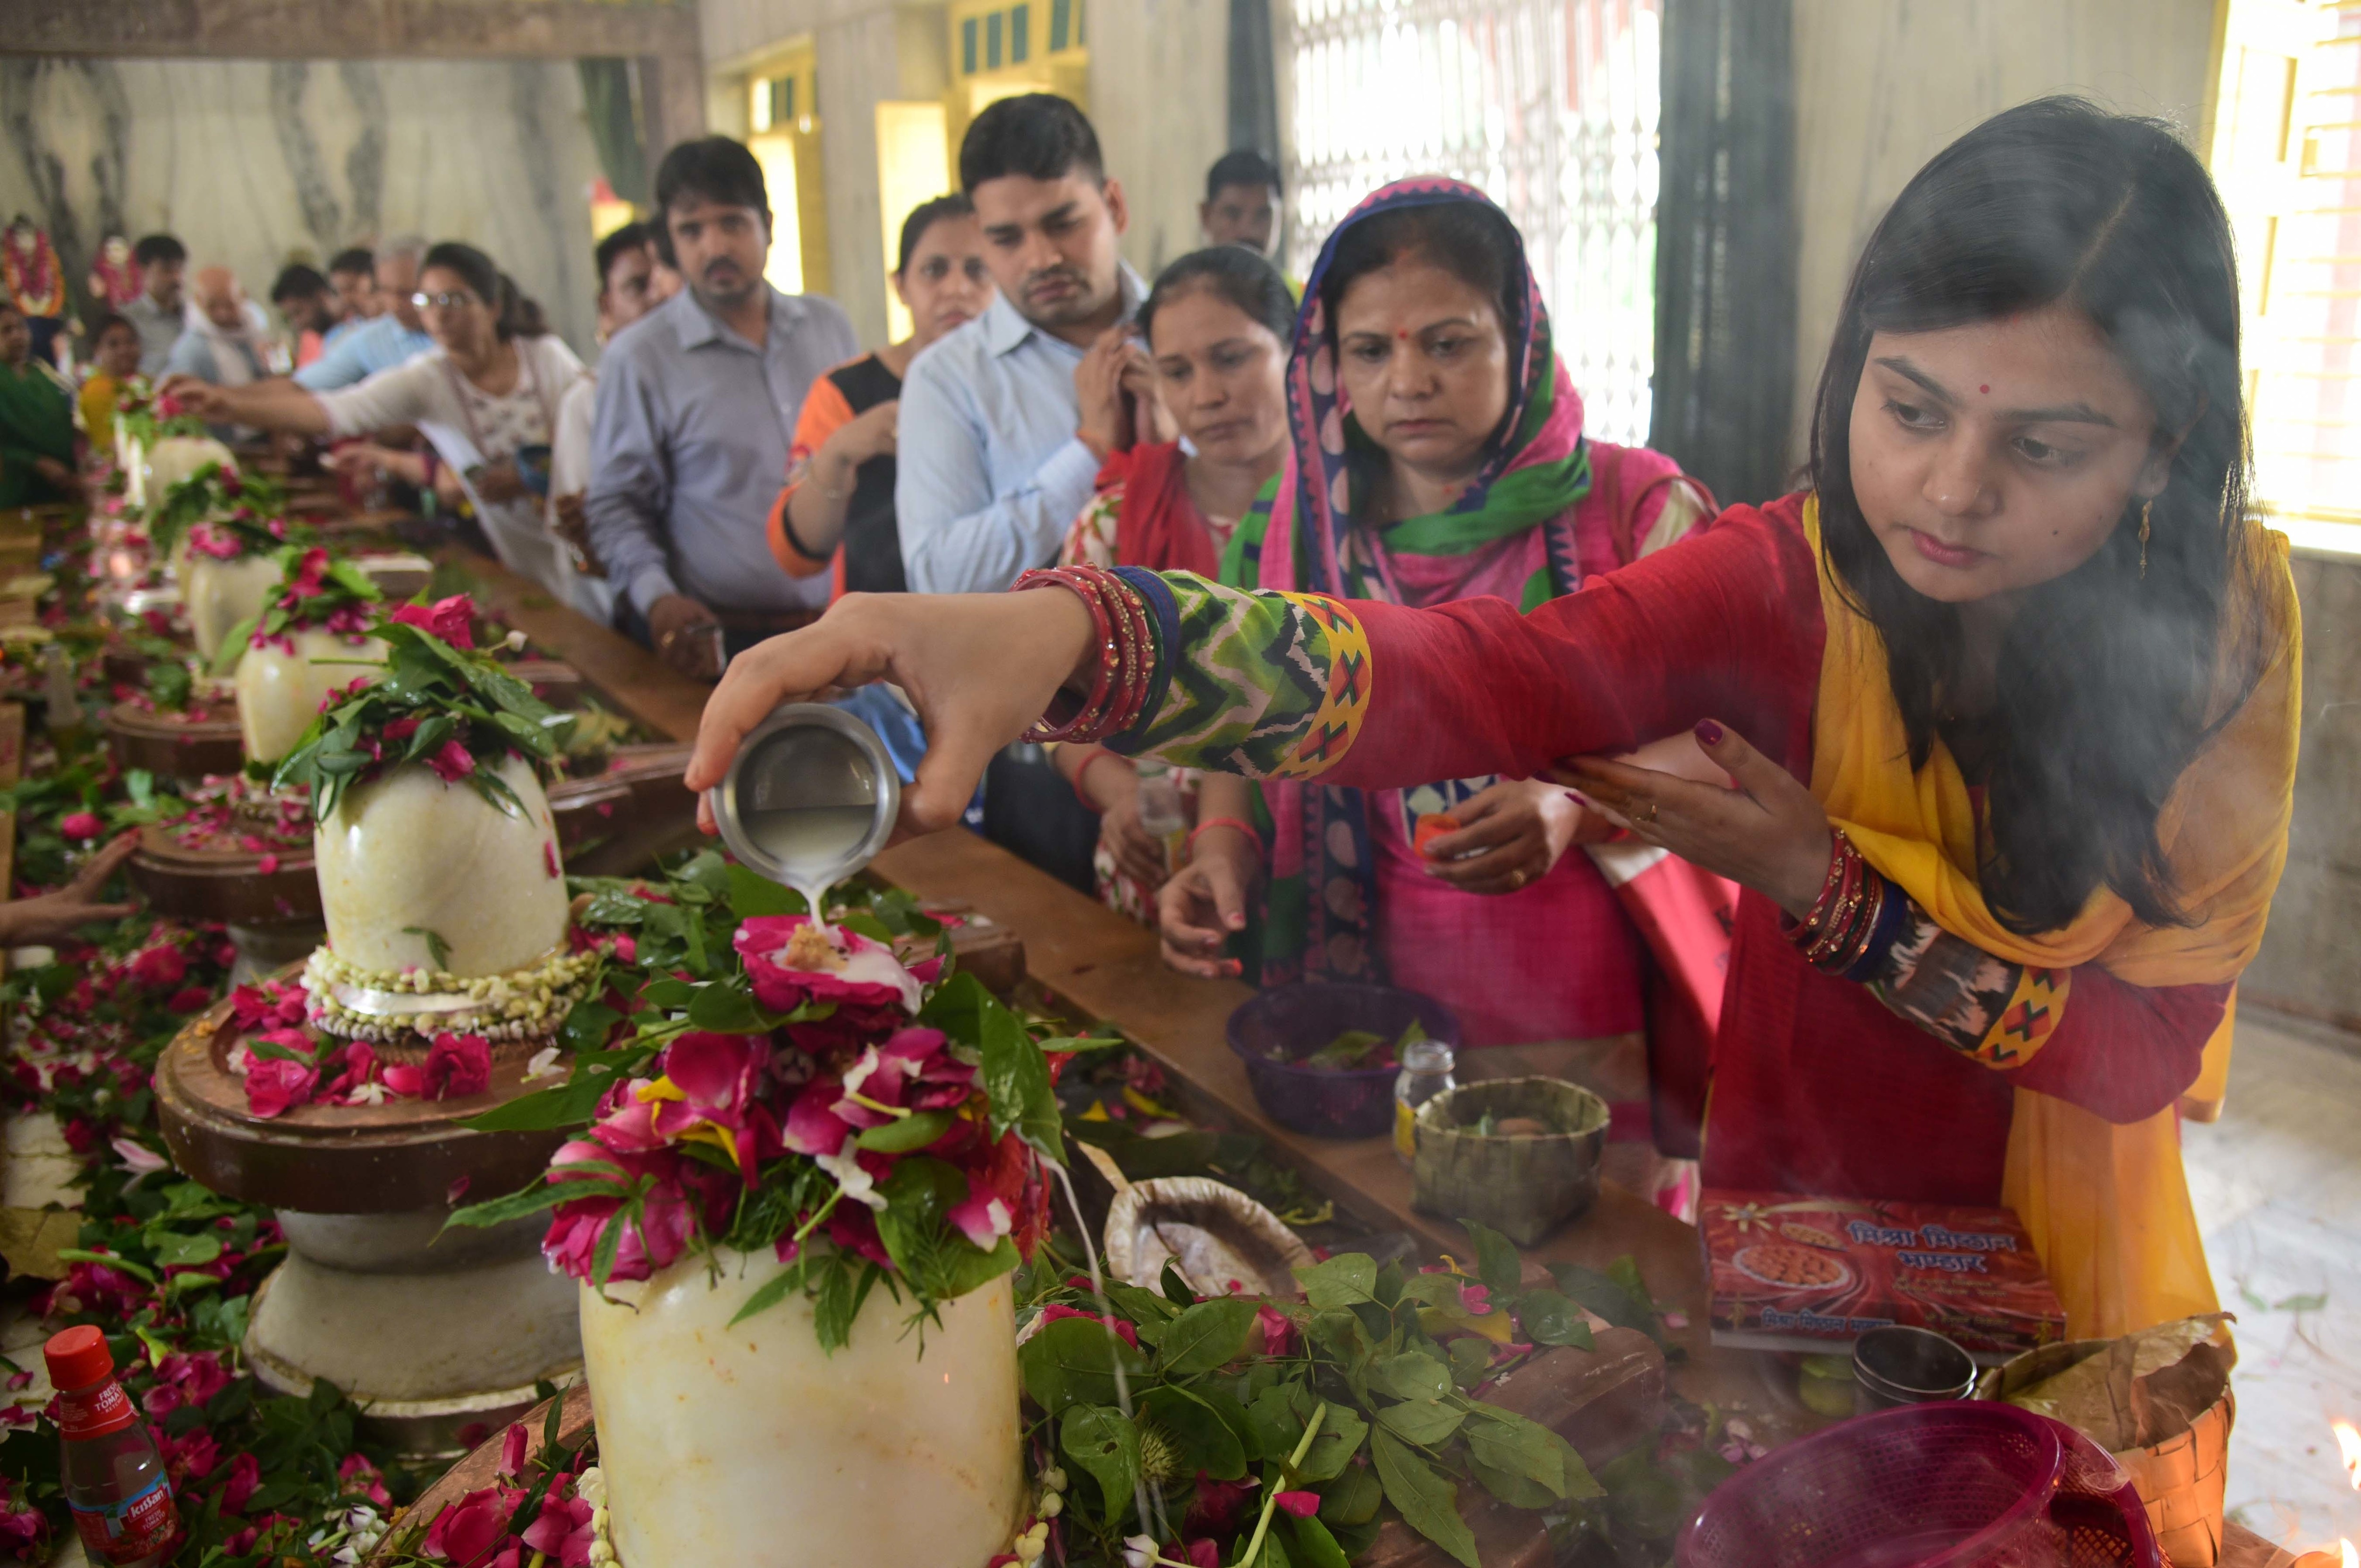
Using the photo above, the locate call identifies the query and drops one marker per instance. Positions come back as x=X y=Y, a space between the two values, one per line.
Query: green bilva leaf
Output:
x=1549 y=1318
x=1016 y=1078
x=1412 y=1374
x=1273 y=1553
x=769 y=1294
x=1206 y=1441
x=1423 y=1495
x=1273 y=1429
x=1497 y=1264
x=1175 y=1289
x=532 y=1200
x=1209 y=1334
x=1471 y=1360
x=1352 y=1497
x=1341 y=1435
x=915 y=1131
x=1605 y=1296
x=233 y=646
x=1425 y=1422
x=1072 y=1362
x=1341 y=1281
x=172 y=1249
x=1514 y=1449
x=587 y=1025
x=752 y=896
x=724 y=1009
x=1313 y=1546
x=1103 y=1443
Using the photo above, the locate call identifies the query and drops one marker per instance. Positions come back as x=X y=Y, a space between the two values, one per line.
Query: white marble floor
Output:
x=2277 y=1185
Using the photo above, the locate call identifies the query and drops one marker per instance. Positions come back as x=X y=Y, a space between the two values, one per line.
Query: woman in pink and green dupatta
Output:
x=1437 y=455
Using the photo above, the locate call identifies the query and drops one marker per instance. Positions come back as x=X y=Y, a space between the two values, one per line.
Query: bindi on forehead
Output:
x=1985 y=389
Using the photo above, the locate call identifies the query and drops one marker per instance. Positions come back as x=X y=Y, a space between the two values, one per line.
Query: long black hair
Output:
x=1232 y=273
x=514 y=313
x=2108 y=680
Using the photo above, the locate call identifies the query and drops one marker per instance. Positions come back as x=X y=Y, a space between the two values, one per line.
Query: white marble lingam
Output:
x=407 y=853
x=749 y=1445
x=220 y=595
x=152 y=470
x=280 y=690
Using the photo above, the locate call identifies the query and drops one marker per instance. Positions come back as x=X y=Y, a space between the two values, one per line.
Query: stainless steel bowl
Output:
x=807 y=756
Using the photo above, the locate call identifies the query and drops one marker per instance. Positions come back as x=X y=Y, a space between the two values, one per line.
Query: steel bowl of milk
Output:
x=809 y=799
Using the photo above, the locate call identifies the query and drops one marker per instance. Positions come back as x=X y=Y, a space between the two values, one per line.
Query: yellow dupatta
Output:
x=2106 y=1204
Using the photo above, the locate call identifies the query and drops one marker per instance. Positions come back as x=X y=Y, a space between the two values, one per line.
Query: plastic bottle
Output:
x=1160 y=816
x=1426 y=1071
x=114 y=1479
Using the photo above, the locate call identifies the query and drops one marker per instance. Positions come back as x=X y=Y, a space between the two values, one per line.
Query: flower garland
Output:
x=526 y=1004
x=439 y=702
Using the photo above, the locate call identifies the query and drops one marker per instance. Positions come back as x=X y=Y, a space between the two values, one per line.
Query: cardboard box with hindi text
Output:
x=1812 y=1273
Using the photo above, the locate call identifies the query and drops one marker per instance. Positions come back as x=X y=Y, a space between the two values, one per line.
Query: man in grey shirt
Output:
x=698 y=403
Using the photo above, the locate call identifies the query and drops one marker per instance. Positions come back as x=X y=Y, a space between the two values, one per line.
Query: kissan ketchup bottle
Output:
x=114 y=1479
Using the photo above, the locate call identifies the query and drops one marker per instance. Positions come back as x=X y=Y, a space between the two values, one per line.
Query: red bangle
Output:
x=1097 y=754
x=1102 y=640
x=1253 y=835
x=1120 y=622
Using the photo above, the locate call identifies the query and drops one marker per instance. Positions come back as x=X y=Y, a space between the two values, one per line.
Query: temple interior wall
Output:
x=254 y=163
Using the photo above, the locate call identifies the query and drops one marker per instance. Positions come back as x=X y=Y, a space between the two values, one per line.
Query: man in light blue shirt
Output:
x=394 y=338
x=992 y=470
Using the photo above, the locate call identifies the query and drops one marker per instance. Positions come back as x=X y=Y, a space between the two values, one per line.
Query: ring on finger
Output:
x=1646 y=814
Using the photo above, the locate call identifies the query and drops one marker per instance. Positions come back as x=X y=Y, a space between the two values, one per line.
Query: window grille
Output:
x=2287 y=155
x=1548 y=105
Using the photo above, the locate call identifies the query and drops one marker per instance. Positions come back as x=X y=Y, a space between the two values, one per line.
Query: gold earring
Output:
x=2146 y=507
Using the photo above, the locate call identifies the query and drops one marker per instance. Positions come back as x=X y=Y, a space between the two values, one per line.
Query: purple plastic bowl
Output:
x=1298 y=1020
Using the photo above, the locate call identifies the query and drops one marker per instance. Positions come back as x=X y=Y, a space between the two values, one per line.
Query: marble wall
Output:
x=1158 y=89
x=255 y=163
x=1882 y=85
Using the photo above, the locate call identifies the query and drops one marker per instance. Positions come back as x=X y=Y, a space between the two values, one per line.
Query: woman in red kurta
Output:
x=1216 y=326
x=2009 y=702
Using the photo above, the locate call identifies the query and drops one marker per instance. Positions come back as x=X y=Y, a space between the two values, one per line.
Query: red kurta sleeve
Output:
x=1726 y=625
x=2124 y=1052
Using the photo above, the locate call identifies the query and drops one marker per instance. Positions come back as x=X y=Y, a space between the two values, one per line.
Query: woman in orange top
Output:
x=838 y=504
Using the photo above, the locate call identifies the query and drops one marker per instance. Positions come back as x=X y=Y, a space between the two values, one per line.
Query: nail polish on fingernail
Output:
x=1709 y=732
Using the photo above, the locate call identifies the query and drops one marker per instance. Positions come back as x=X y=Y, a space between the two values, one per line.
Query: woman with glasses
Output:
x=487 y=392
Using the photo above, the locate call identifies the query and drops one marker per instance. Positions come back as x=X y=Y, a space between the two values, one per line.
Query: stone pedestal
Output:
x=436 y=1333
x=439 y=1334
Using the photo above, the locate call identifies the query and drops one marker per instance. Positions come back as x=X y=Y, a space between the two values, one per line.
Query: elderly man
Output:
x=157 y=311
x=392 y=339
x=224 y=342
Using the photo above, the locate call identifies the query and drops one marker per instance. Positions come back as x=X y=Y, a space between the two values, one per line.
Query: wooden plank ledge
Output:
x=1105 y=967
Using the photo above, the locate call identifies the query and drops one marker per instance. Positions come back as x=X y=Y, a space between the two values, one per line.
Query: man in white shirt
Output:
x=992 y=470
x=631 y=284
x=157 y=311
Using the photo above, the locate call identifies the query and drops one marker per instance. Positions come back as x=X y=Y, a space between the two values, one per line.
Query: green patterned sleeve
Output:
x=1260 y=683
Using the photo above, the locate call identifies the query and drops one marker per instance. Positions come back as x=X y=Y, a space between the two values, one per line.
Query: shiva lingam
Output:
x=243 y=856
x=447 y=969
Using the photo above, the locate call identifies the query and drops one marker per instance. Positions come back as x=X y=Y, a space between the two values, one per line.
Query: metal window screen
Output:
x=1548 y=105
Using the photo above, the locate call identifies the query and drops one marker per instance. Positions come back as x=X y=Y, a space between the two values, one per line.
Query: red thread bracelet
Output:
x=1097 y=754
x=1254 y=836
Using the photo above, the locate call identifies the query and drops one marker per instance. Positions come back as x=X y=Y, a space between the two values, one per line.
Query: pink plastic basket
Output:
x=1948 y=1484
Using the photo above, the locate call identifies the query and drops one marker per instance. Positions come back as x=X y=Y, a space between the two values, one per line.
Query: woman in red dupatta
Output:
x=2010 y=697
x=1216 y=326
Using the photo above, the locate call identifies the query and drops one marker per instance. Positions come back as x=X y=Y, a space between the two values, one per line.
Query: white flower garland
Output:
x=355 y=1003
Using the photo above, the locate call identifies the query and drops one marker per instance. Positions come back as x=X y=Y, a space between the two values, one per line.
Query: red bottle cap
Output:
x=78 y=1357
